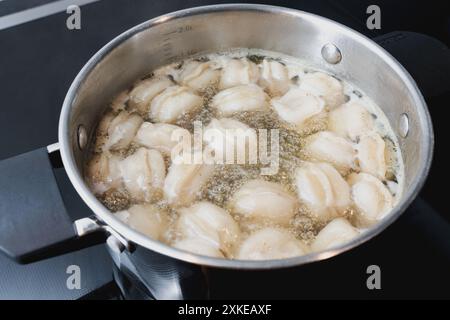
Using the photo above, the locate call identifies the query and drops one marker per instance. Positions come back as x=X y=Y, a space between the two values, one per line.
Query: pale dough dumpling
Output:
x=199 y=246
x=322 y=85
x=229 y=138
x=198 y=75
x=171 y=71
x=143 y=174
x=371 y=197
x=157 y=136
x=240 y=98
x=102 y=173
x=262 y=201
x=335 y=233
x=328 y=147
x=371 y=155
x=143 y=93
x=122 y=129
x=145 y=218
x=274 y=77
x=237 y=72
x=210 y=223
x=174 y=102
x=322 y=189
x=102 y=130
x=298 y=106
x=185 y=180
x=350 y=120
x=270 y=243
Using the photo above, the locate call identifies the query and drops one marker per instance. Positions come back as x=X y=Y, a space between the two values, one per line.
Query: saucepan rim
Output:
x=139 y=239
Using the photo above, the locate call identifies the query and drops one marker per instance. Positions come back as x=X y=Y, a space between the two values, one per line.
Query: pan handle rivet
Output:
x=403 y=125
x=82 y=137
x=331 y=53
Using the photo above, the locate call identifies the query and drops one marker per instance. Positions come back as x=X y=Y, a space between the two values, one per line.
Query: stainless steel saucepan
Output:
x=33 y=221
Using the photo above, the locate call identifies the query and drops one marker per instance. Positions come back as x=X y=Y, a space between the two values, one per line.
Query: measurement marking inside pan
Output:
x=169 y=33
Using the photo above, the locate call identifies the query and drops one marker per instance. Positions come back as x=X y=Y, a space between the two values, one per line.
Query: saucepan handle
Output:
x=424 y=220
x=426 y=59
x=34 y=223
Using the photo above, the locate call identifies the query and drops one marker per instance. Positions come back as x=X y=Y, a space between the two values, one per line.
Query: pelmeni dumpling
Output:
x=185 y=180
x=208 y=222
x=262 y=201
x=237 y=72
x=240 y=98
x=371 y=197
x=199 y=246
x=143 y=174
x=198 y=75
x=102 y=131
x=336 y=232
x=145 y=218
x=157 y=136
x=328 y=147
x=322 y=189
x=102 y=173
x=350 y=120
x=270 y=243
x=229 y=138
x=274 y=77
x=171 y=71
x=322 y=85
x=371 y=155
x=298 y=106
x=172 y=103
x=122 y=129
x=143 y=93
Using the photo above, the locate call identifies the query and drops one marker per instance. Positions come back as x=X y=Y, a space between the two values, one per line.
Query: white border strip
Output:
x=45 y=10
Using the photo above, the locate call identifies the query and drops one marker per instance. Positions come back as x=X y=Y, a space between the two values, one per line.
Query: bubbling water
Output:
x=227 y=179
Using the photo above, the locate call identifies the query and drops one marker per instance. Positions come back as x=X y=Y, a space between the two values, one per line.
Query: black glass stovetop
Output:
x=40 y=58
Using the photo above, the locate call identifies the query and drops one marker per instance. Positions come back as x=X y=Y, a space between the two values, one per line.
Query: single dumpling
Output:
x=198 y=75
x=371 y=155
x=185 y=180
x=231 y=140
x=350 y=120
x=335 y=233
x=264 y=201
x=145 y=218
x=240 y=98
x=143 y=174
x=159 y=136
x=327 y=87
x=322 y=189
x=271 y=243
x=102 y=173
x=171 y=71
x=326 y=146
x=143 y=93
x=274 y=77
x=172 y=103
x=199 y=246
x=210 y=223
x=298 y=106
x=122 y=129
x=371 y=197
x=117 y=107
x=102 y=131
x=237 y=72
